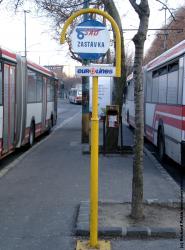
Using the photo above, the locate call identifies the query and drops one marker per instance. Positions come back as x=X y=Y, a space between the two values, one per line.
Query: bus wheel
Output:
x=32 y=135
x=50 y=125
x=161 y=146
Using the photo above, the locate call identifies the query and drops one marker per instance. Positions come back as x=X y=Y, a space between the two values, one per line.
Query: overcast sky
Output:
x=43 y=48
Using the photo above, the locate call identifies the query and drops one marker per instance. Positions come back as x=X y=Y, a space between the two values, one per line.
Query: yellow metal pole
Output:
x=94 y=166
x=95 y=132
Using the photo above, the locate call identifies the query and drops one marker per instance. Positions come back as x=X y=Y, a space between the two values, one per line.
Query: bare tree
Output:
x=143 y=11
x=176 y=34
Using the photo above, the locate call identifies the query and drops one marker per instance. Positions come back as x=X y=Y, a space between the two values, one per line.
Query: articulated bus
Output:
x=28 y=103
x=164 y=103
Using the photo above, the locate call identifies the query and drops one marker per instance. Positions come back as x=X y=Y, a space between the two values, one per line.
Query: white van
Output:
x=75 y=96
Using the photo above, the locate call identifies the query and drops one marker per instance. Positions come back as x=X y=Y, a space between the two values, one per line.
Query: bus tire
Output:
x=50 y=125
x=161 y=146
x=32 y=135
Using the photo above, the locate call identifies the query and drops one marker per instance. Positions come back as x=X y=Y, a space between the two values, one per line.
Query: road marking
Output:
x=66 y=121
x=13 y=164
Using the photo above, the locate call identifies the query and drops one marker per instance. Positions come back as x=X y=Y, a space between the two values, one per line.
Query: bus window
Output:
x=31 y=86
x=181 y=74
x=163 y=84
x=1 y=97
x=155 y=86
x=148 y=86
x=162 y=88
x=50 y=91
x=173 y=67
x=39 y=87
x=173 y=76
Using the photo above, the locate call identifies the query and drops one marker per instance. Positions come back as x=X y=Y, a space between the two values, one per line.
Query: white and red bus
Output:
x=28 y=104
x=164 y=103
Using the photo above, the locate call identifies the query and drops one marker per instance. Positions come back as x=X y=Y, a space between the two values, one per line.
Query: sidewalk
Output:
x=40 y=196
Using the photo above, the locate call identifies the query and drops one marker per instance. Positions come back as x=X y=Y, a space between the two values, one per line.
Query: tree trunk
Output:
x=137 y=182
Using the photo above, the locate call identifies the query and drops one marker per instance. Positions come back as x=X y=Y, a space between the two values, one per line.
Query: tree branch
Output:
x=167 y=9
x=135 y=6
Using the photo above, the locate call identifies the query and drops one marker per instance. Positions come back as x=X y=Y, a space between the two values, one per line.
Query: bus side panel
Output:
x=183 y=98
x=34 y=110
x=21 y=81
x=131 y=110
x=172 y=142
x=1 y=128
x=50 y=110
x=18 y=100
x=150 y=122
x=183 y=120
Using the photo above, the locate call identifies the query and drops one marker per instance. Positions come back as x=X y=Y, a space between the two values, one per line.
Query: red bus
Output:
x=28 y=103
x=164 y=103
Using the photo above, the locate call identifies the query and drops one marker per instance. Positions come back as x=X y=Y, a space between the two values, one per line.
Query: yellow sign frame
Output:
x=114 y=26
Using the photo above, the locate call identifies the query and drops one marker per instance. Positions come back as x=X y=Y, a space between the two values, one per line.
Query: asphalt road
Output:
x=65 y=111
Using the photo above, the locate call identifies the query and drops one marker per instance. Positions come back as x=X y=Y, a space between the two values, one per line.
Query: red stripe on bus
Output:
x=40 y=68
x=166 y=55
x=183 y=125
x=174 y=110
x=8 y=53
x=170 y=121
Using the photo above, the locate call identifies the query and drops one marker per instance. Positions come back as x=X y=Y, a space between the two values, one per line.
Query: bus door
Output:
x=9 y=108
x=44 y=103
x=55 y=98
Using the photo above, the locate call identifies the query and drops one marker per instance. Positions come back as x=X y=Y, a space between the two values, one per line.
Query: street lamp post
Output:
x=25 y=37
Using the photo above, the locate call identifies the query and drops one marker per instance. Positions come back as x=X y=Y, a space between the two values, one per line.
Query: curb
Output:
x=82 y=224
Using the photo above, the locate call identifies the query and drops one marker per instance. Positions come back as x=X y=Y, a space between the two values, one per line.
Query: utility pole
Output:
x=25 y=35
x=85 y=95
x=165 y=32
x=165 y=8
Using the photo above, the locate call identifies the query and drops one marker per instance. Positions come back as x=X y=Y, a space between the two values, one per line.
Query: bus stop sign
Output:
x=90 y=40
